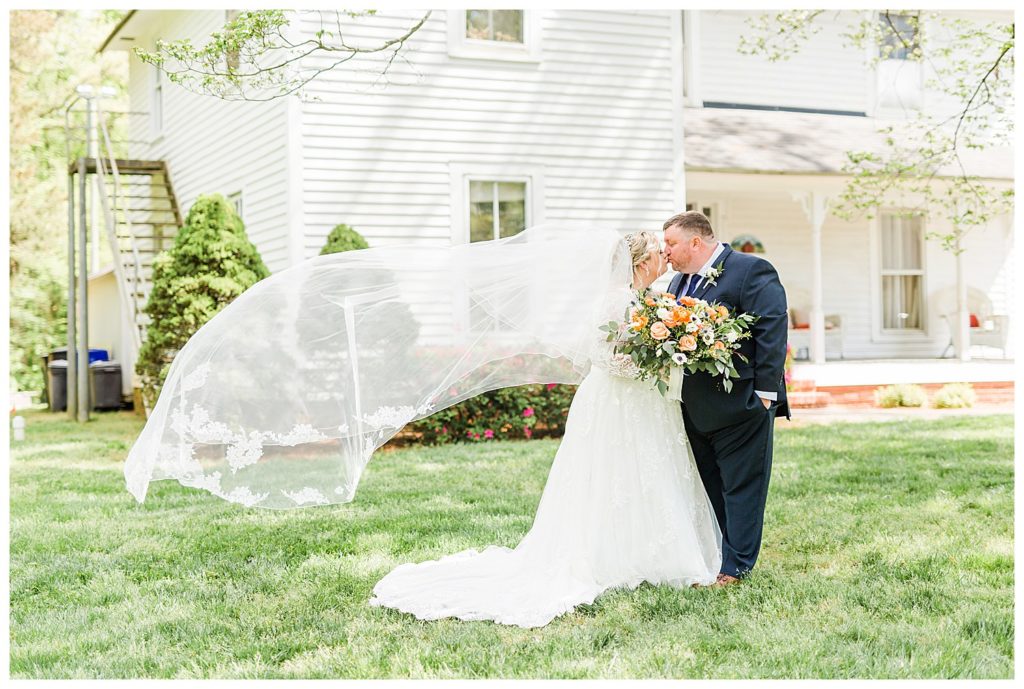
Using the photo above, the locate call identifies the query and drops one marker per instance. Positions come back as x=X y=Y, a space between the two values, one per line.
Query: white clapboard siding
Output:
x=594 y=114
x=214 y=146
x=824 y=74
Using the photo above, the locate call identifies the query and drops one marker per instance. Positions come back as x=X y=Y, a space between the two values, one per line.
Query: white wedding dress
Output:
x=623 y=504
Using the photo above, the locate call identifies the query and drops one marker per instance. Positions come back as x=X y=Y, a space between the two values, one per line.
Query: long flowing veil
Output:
x=281 y=398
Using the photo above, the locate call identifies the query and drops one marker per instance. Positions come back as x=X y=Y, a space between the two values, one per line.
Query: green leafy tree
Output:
x=51 y=52
x=212 y=262
x=254 y=58
x=922 y=162
x=343 y=238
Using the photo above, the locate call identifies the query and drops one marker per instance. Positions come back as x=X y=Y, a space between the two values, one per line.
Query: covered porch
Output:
x=865 y=289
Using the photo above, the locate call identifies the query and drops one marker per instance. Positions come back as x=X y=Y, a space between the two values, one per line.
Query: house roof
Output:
x=736 y=140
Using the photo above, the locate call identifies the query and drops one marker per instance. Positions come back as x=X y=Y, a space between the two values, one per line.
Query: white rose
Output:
x=663 y=313
x=731 y=336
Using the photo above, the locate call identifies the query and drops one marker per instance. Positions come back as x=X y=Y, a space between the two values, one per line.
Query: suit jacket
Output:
x=747 y=284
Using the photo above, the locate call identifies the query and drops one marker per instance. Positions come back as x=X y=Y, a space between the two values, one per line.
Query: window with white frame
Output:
x=236 y=200
x=708 y=209
x=902 y=272
x=494 y=35
x=899 y=73
x=496 y=209
x=156 y=119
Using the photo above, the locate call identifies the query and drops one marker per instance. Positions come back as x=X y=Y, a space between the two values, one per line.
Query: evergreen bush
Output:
x=211 y=263
x=343 y=238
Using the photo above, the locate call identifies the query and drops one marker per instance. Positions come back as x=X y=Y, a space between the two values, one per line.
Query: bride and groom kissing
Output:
x=642 y=488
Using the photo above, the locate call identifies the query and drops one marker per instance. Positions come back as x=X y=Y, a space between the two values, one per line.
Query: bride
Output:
x=623 y=504
x=280 y=400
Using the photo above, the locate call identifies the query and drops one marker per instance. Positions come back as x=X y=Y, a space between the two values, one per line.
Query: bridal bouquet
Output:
x=660 y=331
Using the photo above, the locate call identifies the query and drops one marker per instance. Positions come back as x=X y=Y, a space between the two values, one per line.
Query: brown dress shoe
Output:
x=725 y=580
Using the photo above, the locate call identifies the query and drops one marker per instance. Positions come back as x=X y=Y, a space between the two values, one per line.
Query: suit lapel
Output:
x=705 y=285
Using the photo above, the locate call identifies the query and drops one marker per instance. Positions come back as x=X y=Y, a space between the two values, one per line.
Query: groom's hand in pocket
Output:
x=766 y=402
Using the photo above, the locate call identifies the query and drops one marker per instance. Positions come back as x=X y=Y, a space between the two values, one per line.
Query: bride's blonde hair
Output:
x=640 y=246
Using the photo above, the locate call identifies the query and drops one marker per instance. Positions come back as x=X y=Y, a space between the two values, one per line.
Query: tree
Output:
x=253 y=59
x=51 y=52
x=211 y=263
x=922 y=161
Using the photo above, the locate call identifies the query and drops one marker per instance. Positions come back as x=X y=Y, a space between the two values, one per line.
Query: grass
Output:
x=888 y=553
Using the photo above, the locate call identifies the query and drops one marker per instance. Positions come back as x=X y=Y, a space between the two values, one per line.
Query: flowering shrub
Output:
x=522 y=412
x=900 y=396
x=955 y=396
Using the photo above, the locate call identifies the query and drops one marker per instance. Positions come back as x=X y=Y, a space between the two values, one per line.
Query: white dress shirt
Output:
x=699 y=275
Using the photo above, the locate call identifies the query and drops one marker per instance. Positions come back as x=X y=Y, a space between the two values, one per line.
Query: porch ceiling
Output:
x=735 y=140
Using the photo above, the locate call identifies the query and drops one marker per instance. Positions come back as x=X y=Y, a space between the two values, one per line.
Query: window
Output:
x=156 y=120
x=899 y=40
x=494 y=35
x=236 y=201
x=496 y=209
x=709 y=211
x=900 y=77
x=902 y=272
x=495 y=25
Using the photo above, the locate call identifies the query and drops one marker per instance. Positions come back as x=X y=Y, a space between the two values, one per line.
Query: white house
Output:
x=500 y=119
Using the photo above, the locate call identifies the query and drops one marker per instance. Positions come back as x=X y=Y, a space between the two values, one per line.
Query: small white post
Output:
x=815 y=205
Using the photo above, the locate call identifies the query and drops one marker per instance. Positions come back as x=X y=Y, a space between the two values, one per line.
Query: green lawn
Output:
x=888 y=552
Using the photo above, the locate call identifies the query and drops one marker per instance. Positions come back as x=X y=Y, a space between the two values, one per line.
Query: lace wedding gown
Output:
x=623 y=504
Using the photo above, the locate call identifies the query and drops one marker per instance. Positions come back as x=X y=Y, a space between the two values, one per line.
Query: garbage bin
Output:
x=105 y=384
x=57 y=384
x=61 y=354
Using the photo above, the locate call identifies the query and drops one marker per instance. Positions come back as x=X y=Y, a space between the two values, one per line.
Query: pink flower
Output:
x=528 y=412
x=488 y=434
x=551 y=386
x=444 y=429
x=527 y=432
x=469 y=434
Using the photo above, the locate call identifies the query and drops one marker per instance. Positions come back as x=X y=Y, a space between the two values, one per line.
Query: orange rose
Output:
x=682 y=314
x=648 y=301
x=687 y=343
x=687 y=301
x=723 y=312
x=718 y=345
x=659 y=331
x=639 y=322
x=669 y=295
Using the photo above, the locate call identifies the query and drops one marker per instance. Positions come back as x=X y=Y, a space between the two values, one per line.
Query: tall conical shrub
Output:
x=343 y=238
x=211 y=263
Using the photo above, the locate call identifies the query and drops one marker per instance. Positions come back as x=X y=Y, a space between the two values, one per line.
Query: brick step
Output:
x=804 y=399
x=802 y=385
x=864 y=395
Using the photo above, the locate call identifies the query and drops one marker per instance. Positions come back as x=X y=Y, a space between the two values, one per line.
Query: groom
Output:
x=731 y=432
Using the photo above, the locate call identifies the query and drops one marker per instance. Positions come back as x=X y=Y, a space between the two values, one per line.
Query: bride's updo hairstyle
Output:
x=640 y=245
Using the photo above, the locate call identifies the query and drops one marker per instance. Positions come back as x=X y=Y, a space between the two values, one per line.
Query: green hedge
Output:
x=523 y=412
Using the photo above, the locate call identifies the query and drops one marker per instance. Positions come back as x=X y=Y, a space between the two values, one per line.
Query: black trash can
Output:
x=57 y=384
x=105 y=384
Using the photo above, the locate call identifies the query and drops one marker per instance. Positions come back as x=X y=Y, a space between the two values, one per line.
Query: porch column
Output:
x=815 y=205
x=961 y=329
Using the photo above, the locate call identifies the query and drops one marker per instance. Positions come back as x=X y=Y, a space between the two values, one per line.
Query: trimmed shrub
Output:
x=212 y=262
x=524 y=412
x=955 y=396
x=900 y=396
x=343 y=238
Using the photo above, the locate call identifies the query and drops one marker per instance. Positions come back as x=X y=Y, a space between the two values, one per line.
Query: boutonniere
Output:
x=714 y=273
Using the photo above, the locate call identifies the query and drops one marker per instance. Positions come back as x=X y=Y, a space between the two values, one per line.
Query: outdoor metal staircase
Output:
x=139 y=215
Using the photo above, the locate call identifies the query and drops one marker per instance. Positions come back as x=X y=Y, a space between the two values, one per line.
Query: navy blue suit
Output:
x=731 y=432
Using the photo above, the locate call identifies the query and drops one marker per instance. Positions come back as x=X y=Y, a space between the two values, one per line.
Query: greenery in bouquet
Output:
x=660 y=331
